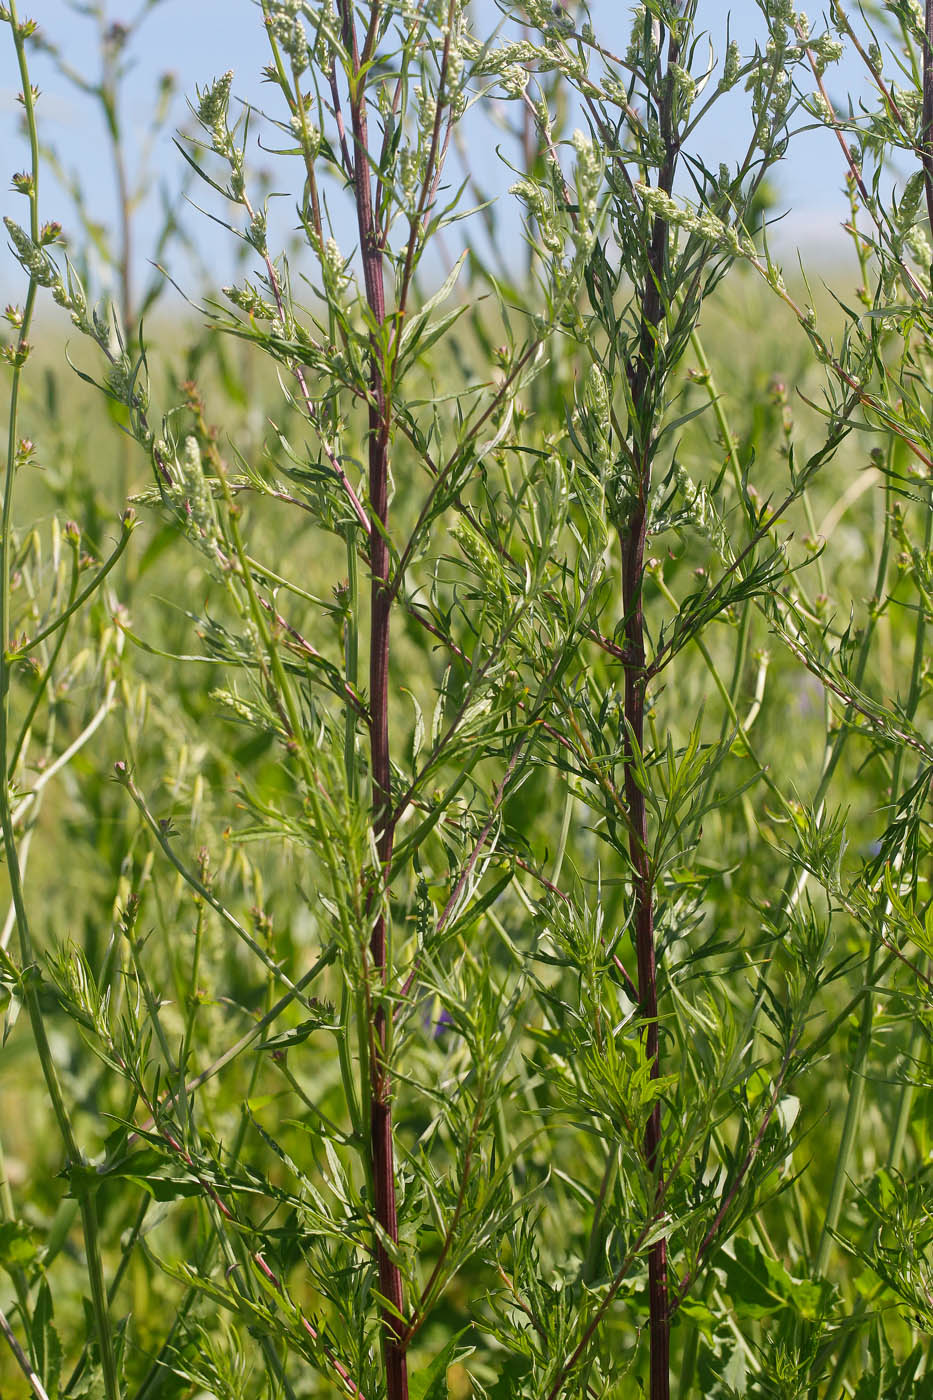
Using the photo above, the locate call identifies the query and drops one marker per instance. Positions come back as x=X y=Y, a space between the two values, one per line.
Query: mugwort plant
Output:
x=501 y=778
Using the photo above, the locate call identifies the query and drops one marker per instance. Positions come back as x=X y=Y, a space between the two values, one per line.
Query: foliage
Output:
x=500 y=963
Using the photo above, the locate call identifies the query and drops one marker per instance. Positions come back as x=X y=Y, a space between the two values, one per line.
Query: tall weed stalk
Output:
x=495 y=999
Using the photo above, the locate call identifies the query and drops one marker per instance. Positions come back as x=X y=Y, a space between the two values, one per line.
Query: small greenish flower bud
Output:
x=237 y=176
x=250 y=301
x=427 y=112
x=906 y=215
x=514 y=79
x=213 y=103
x=335 y=269
x=257 y=231
x=235 y=705
x=284 y=23
x=684 y=84
x=645 y=42
x=308 y=134
x=919 y=246
x=826 y=49
x=74 y=301
x=120 y=381
x=197 y=501
x=476 y=549
x=455 y=79
x=408 y=173
x=596 y=396
x=17 y=355
x=533 y=197
x=23 y=182
x=589 y=172
x=32 y=258
x=731 y=66
x=598 y=419
x=781 y=91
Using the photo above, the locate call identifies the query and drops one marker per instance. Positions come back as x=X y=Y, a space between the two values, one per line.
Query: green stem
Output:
x=728 y=701
x=857 y=1072
x=17 y=1272
x=46 y=676
x=730 y=442
x=597 y=1233
x=129 y=522
x=351 y=660
x=31 y=977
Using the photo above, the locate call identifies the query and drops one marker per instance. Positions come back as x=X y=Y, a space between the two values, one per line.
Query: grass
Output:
x=489 y=763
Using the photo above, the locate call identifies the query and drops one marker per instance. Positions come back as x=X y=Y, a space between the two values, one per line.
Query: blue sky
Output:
x=197 y=39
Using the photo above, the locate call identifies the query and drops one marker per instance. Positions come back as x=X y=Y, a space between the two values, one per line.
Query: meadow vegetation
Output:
x=467 y=811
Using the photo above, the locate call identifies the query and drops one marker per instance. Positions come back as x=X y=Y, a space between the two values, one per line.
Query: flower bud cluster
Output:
x=284 y=21
x=192 y=497
x=427 y=114
x=514 y=79
x=213 y=103
x=905 y=215
x=248 y=299
x=731 y=66
x=598 y=422
x=124 y=385
x=197 y=492
x=72 y=298
x=588 y=176
x=455 y=75
x=684 y=84
x=548 y=15
x=409 y=173
x=307 y=133
x=32 y=258
x=698 y=511
x=239 y=708
x=493 y=60
x=540 y=205
x=707 y=225
x=477 y=552
x=334 y=267
x=781 y=93
x=919 y=247
x=212 y=109
x=256 y=233
x=645 y=40
x=510 y=62
x=826 y=49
